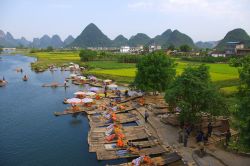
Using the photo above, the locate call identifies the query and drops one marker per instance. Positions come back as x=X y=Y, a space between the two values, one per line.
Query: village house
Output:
x=152 y=48
x=218 y=54
x=124 y=49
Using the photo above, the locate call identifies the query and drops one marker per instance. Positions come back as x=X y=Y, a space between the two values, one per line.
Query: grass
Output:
x=218 y=72
x=109 y=65
x=222 y=75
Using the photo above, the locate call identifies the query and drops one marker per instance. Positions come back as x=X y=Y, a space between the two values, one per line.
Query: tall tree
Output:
x=154 y=72
x=87 y=55
x=185 y=48
x=194 y=93
x=243 y=112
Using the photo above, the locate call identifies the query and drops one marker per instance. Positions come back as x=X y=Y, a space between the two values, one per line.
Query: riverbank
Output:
x=223 y=76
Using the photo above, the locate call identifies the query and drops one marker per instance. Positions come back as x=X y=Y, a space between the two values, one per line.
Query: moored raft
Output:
x=164 y=159
x=54 y=85
x=72 y=111
x=103 y=155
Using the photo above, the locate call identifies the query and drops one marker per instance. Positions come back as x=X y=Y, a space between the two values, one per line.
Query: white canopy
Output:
x=72 y=75
x=87 y=100
x=80 y=93
x=81 y=77
x=94 y=89
x=90 y=93
x=107 y=81
x=112 y=86
x=74 y=101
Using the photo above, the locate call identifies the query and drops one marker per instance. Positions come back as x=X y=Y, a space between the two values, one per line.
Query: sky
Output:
x=205 y=20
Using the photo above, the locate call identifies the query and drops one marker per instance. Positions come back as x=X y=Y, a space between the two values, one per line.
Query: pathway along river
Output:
x=30 y=135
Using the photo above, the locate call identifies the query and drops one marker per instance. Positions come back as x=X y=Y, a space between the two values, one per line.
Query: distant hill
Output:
x=45 y=41
x=91 y=36
x=120 y=41
x=139 y=39
x=7 y=40
x=56 y=41
x=177 y=39
x=208 y=44
x=234 y=35
x=23 y=42
x=68 y=40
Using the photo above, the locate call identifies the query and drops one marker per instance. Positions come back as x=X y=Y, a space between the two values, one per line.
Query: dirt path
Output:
x=169 y=136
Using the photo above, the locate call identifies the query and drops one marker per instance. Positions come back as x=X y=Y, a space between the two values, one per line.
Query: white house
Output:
x=125 y=49
x=154 y=48
x=218 y=54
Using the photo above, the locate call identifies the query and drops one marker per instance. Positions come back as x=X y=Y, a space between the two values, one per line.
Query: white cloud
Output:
x=220 y=8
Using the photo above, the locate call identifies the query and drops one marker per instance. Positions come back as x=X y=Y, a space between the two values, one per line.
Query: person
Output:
x=228 y=136
x=118 y=93
x=3 y=78
x=209 y=129
x=200 y=136
x=105 y=93
x=126 y=93
x=65 y=83
x=146 y=115
x=21 y=70
x=185 y=138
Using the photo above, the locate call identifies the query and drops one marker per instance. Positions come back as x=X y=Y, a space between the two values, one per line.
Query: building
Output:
x=125 y=49
x=154 y=48
x=218 y=54
x=9 y=50
x=242 y=52
x=232 y=47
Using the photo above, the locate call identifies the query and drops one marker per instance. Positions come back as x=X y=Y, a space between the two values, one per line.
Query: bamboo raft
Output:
x=54 y=85
x=95 y=121
x=164 y=159
x=98 y=111
x=132 y=133
x=96 y=84
x=130 y=99
x=71 y=111
x=103 y=155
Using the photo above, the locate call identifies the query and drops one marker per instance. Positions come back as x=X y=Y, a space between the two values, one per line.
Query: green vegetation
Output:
x=155 y=72
x=45 y=59
x=206 y=59
x=193 y=93
x=97 y=65
x=185 y=48
x=222 y=75
x=243 y=113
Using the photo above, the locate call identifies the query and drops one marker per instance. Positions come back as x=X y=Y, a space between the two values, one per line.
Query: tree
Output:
x=49 y=48
x=171 y=47
x=185 y=48
x=87 y=55
x=154 y=72
x=194 y=93
x=243 y=111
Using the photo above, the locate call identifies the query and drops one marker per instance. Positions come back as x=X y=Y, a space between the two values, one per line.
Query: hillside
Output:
x=91 y=36
x=234 y=35
x=139 y=39
x=120 y=41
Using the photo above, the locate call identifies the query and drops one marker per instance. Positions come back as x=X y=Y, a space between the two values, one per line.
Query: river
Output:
x=30 y=135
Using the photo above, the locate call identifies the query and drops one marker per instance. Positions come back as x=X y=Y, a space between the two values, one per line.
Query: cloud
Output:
x=220 y=8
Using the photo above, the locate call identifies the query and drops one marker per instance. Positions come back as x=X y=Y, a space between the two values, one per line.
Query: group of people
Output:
x=201 y=137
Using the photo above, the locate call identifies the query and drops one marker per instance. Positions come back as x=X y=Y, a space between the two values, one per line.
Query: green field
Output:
x=223 y=75
x=219 y=72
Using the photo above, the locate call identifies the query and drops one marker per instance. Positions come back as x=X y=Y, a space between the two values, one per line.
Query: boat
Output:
x=3 y=83
x=25 y=78
x=95 y=84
